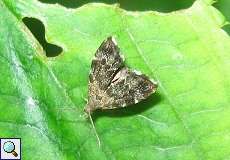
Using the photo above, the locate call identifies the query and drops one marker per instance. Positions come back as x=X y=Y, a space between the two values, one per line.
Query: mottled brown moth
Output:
x=111 y=84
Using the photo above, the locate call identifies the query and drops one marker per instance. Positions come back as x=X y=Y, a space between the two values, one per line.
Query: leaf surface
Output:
x=42 y=99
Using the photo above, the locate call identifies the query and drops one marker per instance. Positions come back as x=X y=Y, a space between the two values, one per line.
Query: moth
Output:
x=111 y=84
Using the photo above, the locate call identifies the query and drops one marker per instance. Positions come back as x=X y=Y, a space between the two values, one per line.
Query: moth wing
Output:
x=128 y=88
x=106 y=63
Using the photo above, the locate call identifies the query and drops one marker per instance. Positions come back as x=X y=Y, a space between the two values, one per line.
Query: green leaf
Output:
x=42 y=99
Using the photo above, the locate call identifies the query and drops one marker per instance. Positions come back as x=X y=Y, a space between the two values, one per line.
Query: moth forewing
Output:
x=111 y=84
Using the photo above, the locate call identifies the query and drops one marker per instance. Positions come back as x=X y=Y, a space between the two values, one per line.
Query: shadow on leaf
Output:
x=130 y=110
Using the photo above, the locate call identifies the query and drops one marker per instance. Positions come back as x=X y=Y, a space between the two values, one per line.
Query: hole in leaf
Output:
x=131 y=5
x=38 y=30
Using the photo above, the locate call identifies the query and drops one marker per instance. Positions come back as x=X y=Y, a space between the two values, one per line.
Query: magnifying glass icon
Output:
x=9 y=147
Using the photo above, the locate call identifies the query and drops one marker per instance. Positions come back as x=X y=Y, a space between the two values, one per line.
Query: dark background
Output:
x=38 y=29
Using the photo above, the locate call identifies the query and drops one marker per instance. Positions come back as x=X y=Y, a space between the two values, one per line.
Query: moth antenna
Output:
x=95 y=131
